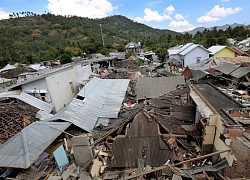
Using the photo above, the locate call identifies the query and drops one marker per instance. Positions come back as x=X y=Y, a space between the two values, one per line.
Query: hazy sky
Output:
x=177 y=15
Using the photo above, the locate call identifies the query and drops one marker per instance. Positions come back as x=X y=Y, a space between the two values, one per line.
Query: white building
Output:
x=188 y=54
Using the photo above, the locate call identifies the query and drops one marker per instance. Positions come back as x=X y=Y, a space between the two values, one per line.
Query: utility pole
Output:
x=102 y=35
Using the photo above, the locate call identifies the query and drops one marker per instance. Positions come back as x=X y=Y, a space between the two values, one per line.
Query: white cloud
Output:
x=179 y=17
x=223 y=12
x=170 y=9
x=218 y=12
x=181 y=26
x=83 y=8
x=3 y=14
x=207 y=19
x=150 y=16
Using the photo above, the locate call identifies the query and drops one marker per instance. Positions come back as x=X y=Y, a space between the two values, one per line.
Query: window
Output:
x=198 y=59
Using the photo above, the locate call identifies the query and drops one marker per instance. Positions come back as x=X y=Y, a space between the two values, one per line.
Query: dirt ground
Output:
x=242 y=153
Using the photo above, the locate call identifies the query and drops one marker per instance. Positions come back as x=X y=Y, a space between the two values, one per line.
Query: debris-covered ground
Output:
x=150 y=138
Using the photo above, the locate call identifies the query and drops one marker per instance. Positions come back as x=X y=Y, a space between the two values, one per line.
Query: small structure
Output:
x=133 y=47
x=118 y=55
x=221 y=51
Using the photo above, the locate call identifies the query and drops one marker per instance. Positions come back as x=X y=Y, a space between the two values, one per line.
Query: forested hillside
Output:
x=44 y=37
x=36 y=38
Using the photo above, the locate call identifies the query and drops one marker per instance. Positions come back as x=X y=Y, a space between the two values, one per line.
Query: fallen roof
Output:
x=205 y=64
x=226 y=68
x=144 y=142
x=102 y=99
x=240 y=72
x=23 y=149
x=28 y=99
x=7 y=67
x=154 y=87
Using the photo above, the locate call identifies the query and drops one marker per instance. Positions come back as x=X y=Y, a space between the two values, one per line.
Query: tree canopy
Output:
x=28 y=37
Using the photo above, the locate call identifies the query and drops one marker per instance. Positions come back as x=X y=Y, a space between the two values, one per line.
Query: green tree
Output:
x=64 y=58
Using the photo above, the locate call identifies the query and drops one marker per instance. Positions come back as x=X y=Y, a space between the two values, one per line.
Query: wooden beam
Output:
x=164 y=167
x=201 y=157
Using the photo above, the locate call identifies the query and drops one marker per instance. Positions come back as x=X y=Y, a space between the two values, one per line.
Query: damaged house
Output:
x=57 y=83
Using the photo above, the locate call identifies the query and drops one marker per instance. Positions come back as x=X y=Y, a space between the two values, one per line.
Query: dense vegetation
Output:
x=28 y=37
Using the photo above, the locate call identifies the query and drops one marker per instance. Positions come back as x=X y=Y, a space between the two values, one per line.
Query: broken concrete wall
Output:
x=209 y=134
x=60 y=85
x=82 y=150
x=38 y=85
x=220 y=145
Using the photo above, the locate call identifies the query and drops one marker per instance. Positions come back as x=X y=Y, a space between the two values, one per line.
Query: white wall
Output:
x=38 y=84
x=82 y=72
x=191 y=57
x=176 y=56
x=62 y=87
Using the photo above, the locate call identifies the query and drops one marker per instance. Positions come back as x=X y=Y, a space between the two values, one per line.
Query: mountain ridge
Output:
x=222 y=27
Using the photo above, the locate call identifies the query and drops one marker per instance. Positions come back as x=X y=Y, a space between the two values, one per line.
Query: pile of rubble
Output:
x=128 y=64
x=14 y=117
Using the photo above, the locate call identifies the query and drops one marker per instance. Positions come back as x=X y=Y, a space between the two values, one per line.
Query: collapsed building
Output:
x=152 y=128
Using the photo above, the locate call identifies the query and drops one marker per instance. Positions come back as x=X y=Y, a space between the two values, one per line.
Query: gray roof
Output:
x=198 y=74
x=154 y=87
x=191 y=47
x=31 y=100
x=23 y=149
x=226 y=68
x=205 y=64
x=102 y=99
x=240 y=72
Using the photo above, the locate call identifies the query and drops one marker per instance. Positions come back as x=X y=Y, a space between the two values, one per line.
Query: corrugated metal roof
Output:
x=102 y=99
x=185 y=47
x=240 y=72
x=154 y=87
x=226 y=68
x=28 y=99
x=23 y=149
x=198 y=74
x=215 y=49
x=190 y=48
x=173 y=51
